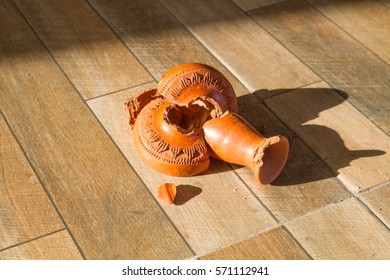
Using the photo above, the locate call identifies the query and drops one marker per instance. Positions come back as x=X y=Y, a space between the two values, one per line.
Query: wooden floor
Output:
x=72 y=186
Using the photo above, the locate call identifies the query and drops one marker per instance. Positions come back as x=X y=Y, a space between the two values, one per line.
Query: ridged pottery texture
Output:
x=190 y=116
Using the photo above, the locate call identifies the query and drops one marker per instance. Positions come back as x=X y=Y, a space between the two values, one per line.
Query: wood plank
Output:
x=246 y=49
x=57 y=246
x=25 y=210
x=106 y=206
x=386 y=3
x=378 y=200
x=158 y=39
x=346 y=230
x=89 y=53
x=247 y=5
x=276 y=244
x=368 y=21
x=305 y=184
x=217 y=208
x=334 y=55
x=354 y=147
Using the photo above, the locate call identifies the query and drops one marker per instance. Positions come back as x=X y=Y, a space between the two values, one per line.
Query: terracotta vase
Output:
x=234 y=140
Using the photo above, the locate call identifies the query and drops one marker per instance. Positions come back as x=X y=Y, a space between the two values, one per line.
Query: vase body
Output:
x=231 y=139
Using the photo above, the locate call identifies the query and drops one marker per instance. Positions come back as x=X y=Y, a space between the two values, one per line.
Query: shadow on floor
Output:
x=303 y=165
x=186 y=192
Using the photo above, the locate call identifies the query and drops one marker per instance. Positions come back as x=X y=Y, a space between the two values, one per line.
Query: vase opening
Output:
x=192 y=116
x=273 y=160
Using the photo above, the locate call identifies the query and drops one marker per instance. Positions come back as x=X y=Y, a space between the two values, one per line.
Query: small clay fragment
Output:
x=167 y=193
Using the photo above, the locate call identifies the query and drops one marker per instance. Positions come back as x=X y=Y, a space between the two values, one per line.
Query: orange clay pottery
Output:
x=168 y=137
x=234 y=140
x=190 y=116
x=167 y=193
x=167 y=120
x=186 y=82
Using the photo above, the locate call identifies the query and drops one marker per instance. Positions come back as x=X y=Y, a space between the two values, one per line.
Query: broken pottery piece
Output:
x=167 y=193
x=186 y=82
x=233 y=140
x=168 y=137
x=190 y=116
x=167 y=120
x=138 y=102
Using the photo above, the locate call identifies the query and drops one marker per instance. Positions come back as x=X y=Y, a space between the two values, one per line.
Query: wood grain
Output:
x=342 y=136
x=306 y=183
x=57 y=246
x=106 y=206
x=378 y=200
x=368 y=21
x=276 y=244
x=334 y=55
x=246 y=49
x=89 y=53
x=159 y=41
x=386 y=3
x=214 y=209
x=346 y=230
x=25 y=210
x=247 y=5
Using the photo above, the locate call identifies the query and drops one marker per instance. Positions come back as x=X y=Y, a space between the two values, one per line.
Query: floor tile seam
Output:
x=373 y=187
x=32 y=166
x=165 y=214
x=249 y=10
x=349 y=188
x=119 y=91
x=384 y=4
x=373 y=214
x=32 y=239
x=313 y=70
x=346 y=32
x=280 y=224
x=208 y=50
x=340 y=93
x=120 y=39
x=47 y=193
x=284 y=223
x=211 y=52
x=328 y=18
x=82 y=100
x=287 y=90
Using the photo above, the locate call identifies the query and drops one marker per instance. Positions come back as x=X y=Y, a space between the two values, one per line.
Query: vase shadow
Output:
x=303 y=165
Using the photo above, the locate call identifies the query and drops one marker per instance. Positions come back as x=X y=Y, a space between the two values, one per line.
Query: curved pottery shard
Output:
x=186 y=82
x=168 y=138
x=138 y=102
x=167 y=193
x=234 y=140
